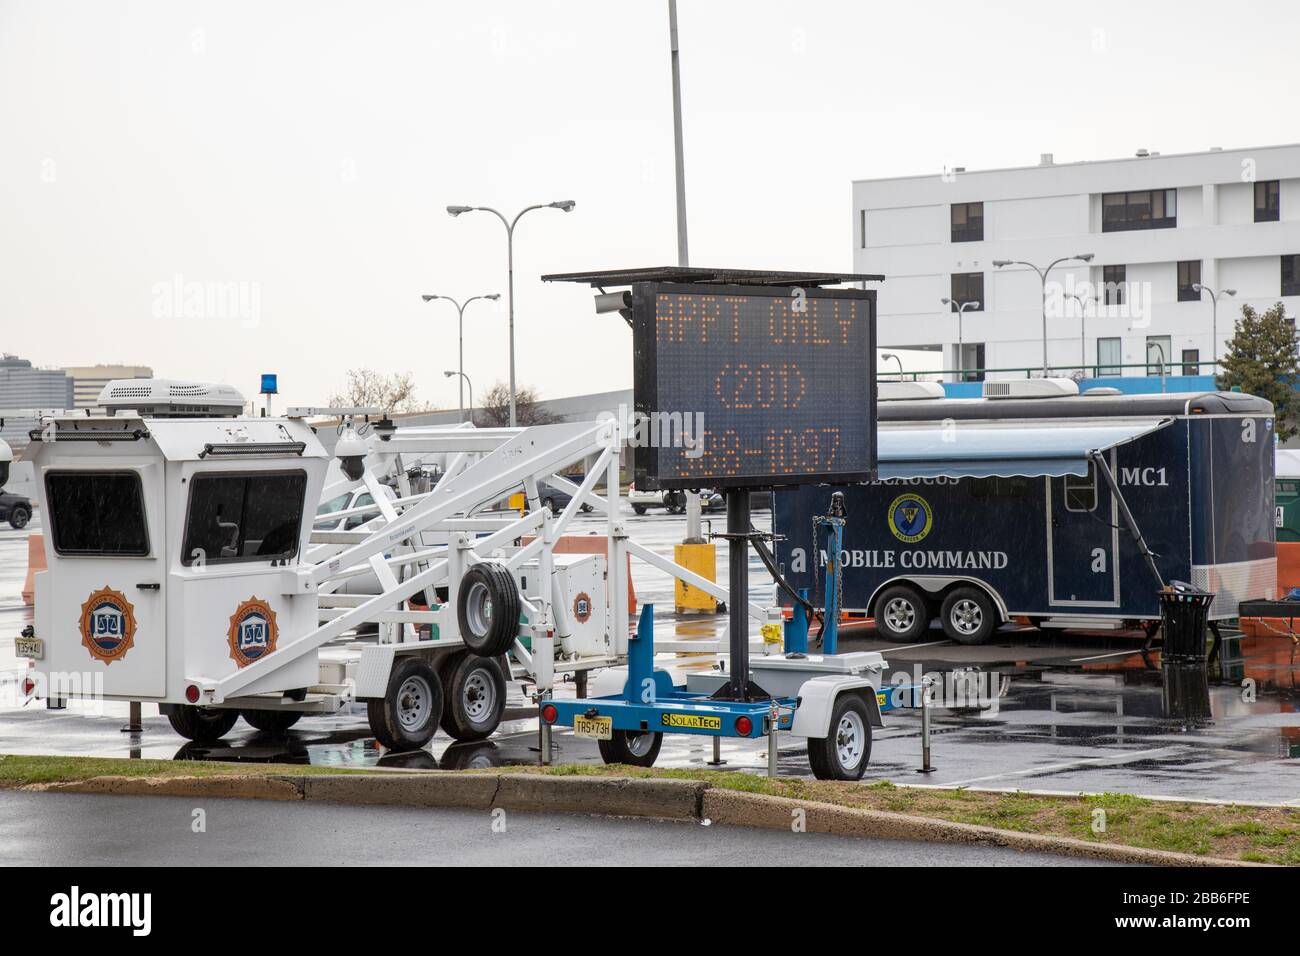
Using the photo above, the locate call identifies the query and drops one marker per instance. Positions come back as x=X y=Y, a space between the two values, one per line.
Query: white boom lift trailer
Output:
x=183 y=568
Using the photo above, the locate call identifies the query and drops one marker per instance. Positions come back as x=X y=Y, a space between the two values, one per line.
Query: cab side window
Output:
x=253 y=516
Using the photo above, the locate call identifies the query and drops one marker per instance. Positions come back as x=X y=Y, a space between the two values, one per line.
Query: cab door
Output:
x=108 y=592
x=1082 y=541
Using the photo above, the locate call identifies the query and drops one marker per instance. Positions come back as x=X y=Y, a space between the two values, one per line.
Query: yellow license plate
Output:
x=597 y=728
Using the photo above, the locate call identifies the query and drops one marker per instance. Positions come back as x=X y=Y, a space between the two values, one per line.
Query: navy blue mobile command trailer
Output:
x=1013 y=505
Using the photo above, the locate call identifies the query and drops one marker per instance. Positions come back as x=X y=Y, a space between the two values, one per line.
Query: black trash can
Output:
x=1184 y=610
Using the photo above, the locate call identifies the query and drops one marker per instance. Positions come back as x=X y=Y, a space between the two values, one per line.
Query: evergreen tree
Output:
x=1262 y=360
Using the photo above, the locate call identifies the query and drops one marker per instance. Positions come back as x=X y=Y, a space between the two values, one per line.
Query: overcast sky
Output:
x=306 y=151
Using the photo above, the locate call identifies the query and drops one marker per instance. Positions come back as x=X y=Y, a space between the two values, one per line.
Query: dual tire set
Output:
x=967 y=614
x=464 y=692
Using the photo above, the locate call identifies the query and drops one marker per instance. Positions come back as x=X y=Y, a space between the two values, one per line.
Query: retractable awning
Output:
x=957 y=449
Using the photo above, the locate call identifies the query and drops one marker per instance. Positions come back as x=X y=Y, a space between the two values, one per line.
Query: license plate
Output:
x=33 y=647
x=597 y=728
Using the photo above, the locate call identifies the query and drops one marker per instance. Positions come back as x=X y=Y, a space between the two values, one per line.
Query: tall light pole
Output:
x=961 y=308
x=1083 y=299
x=468 y=387
x=1042 y=276
x=460 y=338
x=1214 y=320
x=565 y=205
x=890 y=355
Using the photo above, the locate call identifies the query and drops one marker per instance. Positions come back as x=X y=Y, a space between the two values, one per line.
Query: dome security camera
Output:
x=351 y=453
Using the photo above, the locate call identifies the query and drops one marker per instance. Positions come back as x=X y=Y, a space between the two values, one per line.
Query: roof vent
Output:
x=1102 y=390
x=909 y=391
x=1142 y=153
x=1045 y=159
x=164 y=398
x=1031 y=388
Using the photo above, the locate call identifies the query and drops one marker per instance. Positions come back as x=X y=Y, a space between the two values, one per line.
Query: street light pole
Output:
x=460 y=339
x=565 y=205
x=1083 y=300
x=1042 y=276
x=469 y=388
x=961 y=308
x=890 y=355
x=1214 y=321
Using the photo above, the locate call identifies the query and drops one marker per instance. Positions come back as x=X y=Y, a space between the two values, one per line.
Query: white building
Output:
x=1155 y=226
x=89 y=380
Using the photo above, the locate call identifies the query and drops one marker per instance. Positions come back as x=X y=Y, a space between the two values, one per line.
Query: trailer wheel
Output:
x=844 y=752
x=636 y=748
x=406 y=717
x=969 y=615
x=487 y=609
x=901 y=613
x=476 y=696
x=201 y=724
x=271 y=721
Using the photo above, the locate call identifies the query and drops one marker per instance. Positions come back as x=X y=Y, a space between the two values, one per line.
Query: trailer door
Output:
x=108 y=534
x=1082 y=541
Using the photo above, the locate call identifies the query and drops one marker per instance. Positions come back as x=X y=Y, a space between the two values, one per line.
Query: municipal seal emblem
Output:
x=107 y=625
x=252 y=632
x=582 y=607
x=910 y=518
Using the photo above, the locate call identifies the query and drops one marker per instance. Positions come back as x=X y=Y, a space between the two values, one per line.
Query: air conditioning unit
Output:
x=1031 y=388
x=164 y=398
x=908 y=391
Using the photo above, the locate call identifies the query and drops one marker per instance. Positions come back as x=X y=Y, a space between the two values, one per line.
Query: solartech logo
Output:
x=76 y=909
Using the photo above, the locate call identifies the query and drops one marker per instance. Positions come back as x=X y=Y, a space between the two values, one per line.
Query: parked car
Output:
x=556 y=498
x=16 y=509
x=674 y=502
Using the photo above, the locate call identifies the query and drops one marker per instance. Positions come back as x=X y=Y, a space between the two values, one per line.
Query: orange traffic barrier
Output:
x=1288 y=577
x=35 y=562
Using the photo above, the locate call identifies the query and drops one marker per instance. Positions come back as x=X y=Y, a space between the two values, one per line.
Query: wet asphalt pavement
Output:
x=84 y=830
x=1073 y=711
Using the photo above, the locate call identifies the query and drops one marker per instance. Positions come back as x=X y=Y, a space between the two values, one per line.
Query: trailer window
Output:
x=97 y=512
x=254 y=516
x=997 y=487
x=1081 y=491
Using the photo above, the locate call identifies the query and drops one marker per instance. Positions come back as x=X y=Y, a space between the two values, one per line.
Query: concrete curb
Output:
x=668 y=799
x=733 y=808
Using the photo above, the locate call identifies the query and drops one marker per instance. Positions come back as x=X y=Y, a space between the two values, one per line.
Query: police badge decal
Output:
x=252 y=632
x=107 y=625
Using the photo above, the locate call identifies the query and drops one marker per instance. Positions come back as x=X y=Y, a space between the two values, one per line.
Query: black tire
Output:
x=18 y=517
x=549 y=505
x=271 y=721
x=675 y=502
x=476 y=696
x=902 y=613
x=487 y=609
x=407 y=716
x=843 y=754
x=632 y=748
x=639 y=509
x=969 y=615
x=201 y=724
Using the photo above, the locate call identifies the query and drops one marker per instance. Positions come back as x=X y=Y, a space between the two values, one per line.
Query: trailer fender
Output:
x=935 y=584
x=817 y=698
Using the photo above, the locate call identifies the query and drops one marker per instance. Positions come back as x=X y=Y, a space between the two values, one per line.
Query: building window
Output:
x=1291 y=275
x=1148 y=209
x=1158 y=347
x=968 y=287
x=1268 y=201
x=1108 y=357
x=1191 y=361
x=967 y=221
x=862 y=227
x=1189 y=276
x=1113 y=284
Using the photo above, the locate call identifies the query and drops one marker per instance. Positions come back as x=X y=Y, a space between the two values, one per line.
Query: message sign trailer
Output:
x=744 y=379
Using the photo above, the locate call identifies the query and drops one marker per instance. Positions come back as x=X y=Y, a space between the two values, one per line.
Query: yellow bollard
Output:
x=703 y=560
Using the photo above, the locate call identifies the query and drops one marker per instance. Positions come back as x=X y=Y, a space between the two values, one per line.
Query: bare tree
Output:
x=494 y=408
x=394 y=392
